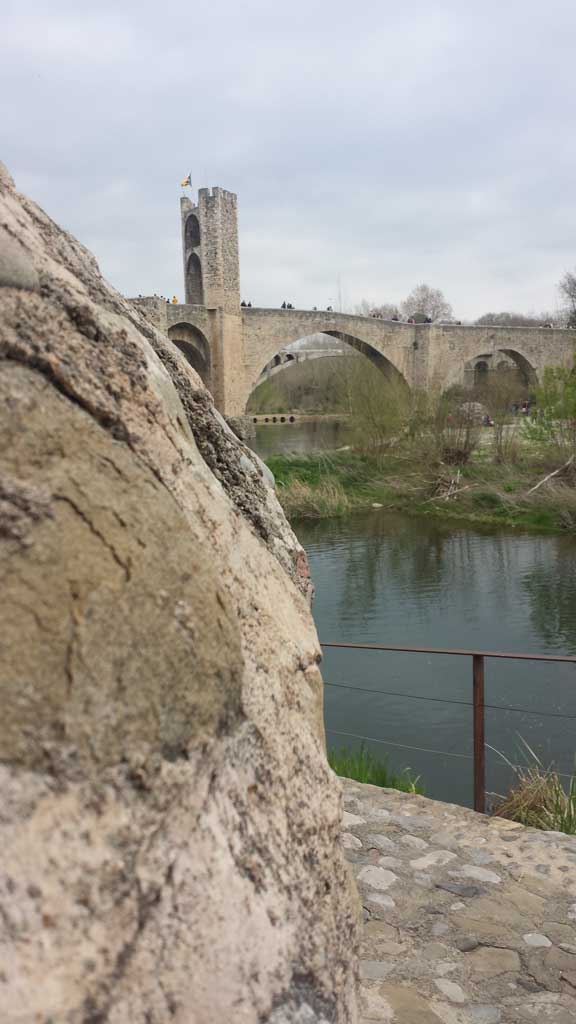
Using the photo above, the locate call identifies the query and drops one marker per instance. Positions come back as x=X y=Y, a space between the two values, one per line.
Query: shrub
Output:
x=554 y=426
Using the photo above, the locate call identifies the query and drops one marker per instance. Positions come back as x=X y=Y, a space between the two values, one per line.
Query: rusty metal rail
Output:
x=478 y=695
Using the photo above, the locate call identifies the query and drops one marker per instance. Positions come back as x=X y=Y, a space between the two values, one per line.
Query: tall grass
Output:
x=325 y=499
x=538 y=797
x=363 y=766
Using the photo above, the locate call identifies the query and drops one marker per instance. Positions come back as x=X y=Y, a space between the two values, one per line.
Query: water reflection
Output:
x=550 y=588
x=383 y=578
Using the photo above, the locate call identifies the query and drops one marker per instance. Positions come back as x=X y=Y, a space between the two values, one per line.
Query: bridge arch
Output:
x=194 y=346
x=525 y=367
x=383 y=364
x=485 y=362
x=481 y=370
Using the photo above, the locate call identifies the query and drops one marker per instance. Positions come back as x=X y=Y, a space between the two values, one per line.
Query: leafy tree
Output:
x=426 y=302
x=555 y=422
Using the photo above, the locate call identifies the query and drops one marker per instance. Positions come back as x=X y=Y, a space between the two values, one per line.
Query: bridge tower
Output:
x=212 y=280
x=210 y=250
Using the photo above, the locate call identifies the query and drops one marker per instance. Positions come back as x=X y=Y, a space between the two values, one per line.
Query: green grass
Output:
x=351 y=469
x=363 y=766
x=322 y=484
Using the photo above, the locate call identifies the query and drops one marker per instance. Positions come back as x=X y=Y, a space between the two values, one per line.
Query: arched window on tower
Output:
x=194 y=287
x=192 y=232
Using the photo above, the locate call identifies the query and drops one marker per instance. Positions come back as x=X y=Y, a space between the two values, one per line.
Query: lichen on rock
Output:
x=168 y=822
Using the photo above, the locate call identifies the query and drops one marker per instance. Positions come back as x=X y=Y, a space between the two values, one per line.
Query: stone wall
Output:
x=154 y=310
x=169 y=826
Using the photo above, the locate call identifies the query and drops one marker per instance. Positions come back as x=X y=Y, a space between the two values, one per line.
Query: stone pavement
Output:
x=468 y=919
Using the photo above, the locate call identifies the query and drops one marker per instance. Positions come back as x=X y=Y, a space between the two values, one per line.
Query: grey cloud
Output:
x=382 y=143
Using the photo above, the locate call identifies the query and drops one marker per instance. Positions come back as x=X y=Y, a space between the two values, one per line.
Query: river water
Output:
x=385 y=578
x=301 y=436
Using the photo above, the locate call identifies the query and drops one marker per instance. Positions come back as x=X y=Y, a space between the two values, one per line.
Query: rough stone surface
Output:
x=168 y=824
x=503 y=953
x=16 y=269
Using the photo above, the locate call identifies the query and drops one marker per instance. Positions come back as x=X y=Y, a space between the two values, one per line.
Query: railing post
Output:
x=479 y=747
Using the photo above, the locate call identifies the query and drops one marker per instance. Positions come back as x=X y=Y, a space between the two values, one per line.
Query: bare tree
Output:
x=567 y=289
x=386 y=311
x=383 y=310
x=426 y=302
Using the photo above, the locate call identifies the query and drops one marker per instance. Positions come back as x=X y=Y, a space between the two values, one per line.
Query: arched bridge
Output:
x=423 y=355
x=230 y=345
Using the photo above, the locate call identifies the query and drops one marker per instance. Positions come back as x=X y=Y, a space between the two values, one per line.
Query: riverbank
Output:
x=321 y=485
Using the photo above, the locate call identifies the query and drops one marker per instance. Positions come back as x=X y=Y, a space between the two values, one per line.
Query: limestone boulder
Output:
x=168 y=821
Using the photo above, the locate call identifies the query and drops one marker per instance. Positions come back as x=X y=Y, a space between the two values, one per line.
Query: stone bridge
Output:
x=230 y=346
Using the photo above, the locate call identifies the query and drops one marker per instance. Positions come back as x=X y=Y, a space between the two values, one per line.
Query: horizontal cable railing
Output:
x=478 y=703
x=451 y=700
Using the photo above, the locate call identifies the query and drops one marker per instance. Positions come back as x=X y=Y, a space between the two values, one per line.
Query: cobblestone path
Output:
x=467 y=919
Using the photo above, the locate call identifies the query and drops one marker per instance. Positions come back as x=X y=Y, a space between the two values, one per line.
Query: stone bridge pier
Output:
x=230 y=346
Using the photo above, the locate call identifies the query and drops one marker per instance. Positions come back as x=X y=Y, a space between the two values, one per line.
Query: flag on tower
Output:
x=187 y=181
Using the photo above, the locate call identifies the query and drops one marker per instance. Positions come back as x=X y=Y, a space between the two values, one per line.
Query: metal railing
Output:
x=478 y=703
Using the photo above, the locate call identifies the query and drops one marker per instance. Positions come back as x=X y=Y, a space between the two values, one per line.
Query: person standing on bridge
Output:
x=174 y=300
x=284 y=306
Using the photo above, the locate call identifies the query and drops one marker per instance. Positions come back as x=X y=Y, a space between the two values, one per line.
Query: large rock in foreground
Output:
x=168 y=822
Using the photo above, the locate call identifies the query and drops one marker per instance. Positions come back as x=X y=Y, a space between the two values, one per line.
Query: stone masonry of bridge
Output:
x=230 y=345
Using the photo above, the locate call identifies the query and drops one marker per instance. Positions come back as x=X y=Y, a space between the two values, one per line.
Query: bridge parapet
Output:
x=187 y=313
x=153 y=308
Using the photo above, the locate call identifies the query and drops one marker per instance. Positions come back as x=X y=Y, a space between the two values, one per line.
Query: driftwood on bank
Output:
x=451 y=488
x=550 y=476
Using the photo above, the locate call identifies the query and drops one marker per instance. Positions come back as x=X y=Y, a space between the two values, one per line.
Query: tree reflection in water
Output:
x=551 y=587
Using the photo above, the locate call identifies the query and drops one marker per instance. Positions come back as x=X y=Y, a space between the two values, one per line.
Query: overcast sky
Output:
x=385 y=143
